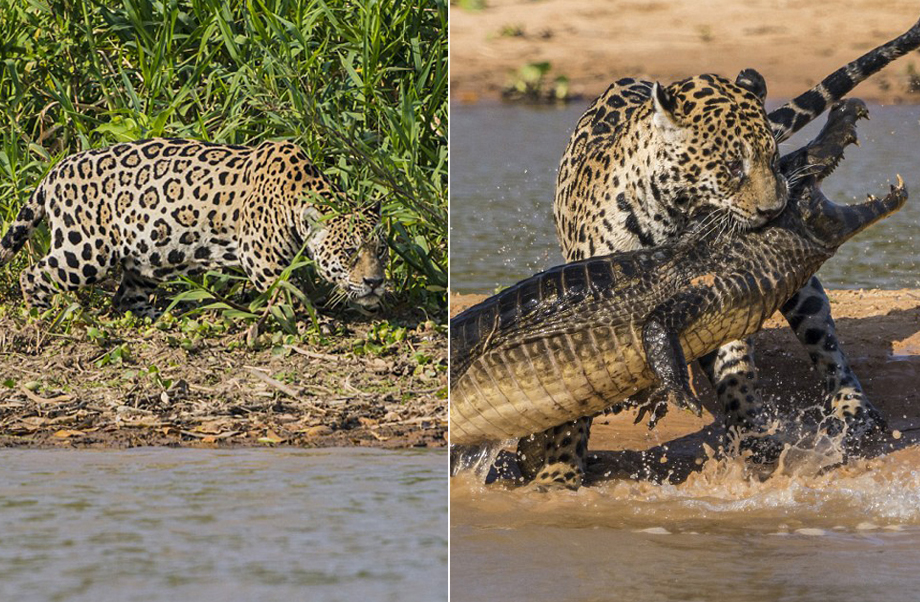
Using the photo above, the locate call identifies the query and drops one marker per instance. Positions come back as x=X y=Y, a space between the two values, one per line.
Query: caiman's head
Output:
x=826 y=222
x=830 y=224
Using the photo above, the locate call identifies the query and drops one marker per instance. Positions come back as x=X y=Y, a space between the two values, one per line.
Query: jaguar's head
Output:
x=719 y=142
x=349 y=251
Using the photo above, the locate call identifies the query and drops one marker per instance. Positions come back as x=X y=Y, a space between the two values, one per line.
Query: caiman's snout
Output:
x=832 y=224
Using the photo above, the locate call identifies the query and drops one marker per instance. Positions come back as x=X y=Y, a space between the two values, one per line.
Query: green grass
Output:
x=361 y=85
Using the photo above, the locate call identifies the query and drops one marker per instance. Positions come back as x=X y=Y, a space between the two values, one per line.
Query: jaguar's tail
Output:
x=795 y=114
x=19 y=231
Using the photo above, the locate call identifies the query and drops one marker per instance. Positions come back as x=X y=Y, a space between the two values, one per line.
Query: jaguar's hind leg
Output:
x=733 y=375
x=133 y=295
x=556 y=457
x=809 y=314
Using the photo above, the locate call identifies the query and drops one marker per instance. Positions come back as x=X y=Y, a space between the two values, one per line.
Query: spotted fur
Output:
x=158 y=208
x=642 y=158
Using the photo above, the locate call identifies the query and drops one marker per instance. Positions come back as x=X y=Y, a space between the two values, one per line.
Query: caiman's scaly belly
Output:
x=515 y=390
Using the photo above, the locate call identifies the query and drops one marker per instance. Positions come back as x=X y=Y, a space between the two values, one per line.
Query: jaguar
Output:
x=641 y=160
x=155 y=209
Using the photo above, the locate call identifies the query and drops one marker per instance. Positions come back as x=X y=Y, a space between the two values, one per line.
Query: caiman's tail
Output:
x=834 y=224
x=792 y=116
x=19 y=231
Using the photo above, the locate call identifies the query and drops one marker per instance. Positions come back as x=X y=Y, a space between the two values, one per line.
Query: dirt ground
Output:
x=793 y=44
x=68 y=390
x=879 y=330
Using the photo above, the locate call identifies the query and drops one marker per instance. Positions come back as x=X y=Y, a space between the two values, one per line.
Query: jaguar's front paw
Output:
x=765 y=448
x=860 y=422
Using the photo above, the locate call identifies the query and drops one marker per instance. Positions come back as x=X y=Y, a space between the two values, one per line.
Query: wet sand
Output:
x=593 y=43
x=880 y=331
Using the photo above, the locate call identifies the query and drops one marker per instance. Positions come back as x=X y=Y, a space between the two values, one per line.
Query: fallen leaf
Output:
x=31 y=424
x=38 y=399
x=271 y=437
x=318 y=431
x=67 y=433
x=378 y=365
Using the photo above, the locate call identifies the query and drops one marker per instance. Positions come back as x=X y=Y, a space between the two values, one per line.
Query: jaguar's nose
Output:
x=373 y=282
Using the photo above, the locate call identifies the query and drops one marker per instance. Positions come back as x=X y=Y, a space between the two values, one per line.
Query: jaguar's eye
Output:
x=736 y=169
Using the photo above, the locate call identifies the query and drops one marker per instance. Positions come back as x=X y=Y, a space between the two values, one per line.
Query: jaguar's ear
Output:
x=372 y=210
x=665 y=106
x=752 y=81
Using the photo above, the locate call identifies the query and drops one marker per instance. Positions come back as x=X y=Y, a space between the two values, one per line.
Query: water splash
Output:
x=477 y=460
x=810 y=488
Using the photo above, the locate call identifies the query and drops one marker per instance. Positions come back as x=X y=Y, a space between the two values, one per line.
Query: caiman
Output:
x=587 y=336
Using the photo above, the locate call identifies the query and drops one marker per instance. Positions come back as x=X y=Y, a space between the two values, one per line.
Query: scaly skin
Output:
x=582 y=337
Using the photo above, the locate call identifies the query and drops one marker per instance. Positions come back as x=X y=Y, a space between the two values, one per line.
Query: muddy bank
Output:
x=214 y=391
x=880 y=331
x=793 y=45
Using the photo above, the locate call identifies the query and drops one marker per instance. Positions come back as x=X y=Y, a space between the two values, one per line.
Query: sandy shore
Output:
x=880 y=331
x=60 y=389
x=793 y=44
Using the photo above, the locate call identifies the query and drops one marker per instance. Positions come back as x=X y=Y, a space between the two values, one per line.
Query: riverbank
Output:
x=194 y=385
x=592 y=43
x=880 y=331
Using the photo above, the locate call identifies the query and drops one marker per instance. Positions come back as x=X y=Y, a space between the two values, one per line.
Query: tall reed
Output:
x=361 y=85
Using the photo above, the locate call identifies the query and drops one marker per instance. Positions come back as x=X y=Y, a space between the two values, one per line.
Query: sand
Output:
x=793 y=44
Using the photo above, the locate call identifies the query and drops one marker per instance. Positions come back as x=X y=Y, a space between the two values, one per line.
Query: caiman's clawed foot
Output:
x=685 y=400
x=655 y=410
x=654 y=403
x=839 y=132
x=651 y=403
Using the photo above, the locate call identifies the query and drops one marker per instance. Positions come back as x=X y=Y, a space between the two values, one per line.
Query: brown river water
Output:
x=845 y=533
